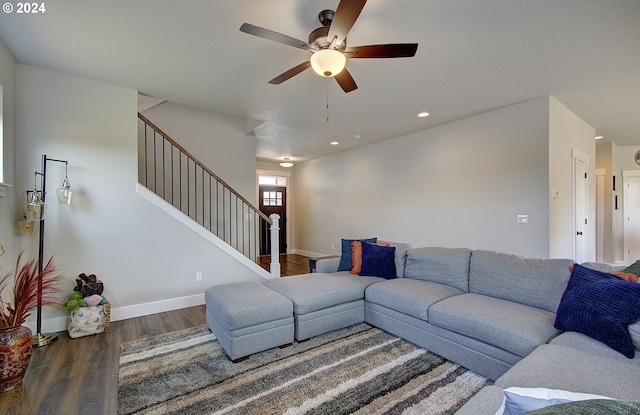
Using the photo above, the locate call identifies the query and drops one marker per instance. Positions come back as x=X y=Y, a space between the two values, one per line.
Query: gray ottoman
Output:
x=248 y=317
x=323 y=302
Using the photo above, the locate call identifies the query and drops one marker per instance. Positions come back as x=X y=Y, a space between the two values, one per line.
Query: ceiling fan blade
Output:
x=346 y=15
x=345 y=80
x=290 y=73
x=274 y=36
x=397 y=50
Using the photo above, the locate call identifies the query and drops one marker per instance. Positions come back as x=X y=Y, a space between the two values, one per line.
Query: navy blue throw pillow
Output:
x=345 y=259
x=378 y=261
x=601 y=306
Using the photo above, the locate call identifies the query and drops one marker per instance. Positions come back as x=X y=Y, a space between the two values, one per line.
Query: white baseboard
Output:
x=139 y=310
x=56 y=324
x=308 y=253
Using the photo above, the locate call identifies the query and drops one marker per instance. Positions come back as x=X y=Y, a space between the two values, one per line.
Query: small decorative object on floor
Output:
x=18 y=298
x=90 y=310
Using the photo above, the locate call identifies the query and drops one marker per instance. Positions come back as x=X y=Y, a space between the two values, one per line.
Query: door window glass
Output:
x=272 y=198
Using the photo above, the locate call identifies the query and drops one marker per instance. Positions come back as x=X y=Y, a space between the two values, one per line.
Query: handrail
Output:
x=170 y=171
x=205 y=168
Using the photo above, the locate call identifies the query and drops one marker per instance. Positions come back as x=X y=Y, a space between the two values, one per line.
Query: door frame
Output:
x=626 y=174
x=268 y=210
x=600 y=213
x=290 y=213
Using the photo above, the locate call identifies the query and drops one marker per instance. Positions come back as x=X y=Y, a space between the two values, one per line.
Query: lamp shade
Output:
x=328 y=62
x=34 y=209
x=66 y=195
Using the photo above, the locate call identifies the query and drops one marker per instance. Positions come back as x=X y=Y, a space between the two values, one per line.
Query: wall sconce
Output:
x=34 y=211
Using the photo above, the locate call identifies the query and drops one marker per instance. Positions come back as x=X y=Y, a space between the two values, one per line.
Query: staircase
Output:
x=169 y=171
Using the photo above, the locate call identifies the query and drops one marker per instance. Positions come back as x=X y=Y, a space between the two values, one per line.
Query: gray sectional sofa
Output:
x=491 y=312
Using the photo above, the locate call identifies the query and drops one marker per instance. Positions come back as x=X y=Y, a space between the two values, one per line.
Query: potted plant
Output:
x=18 y=298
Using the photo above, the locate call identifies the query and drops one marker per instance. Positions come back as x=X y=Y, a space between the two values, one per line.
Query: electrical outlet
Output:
x=332 y=247
x=199 y=276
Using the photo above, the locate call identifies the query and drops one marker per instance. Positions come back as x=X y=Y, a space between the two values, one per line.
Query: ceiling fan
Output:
x=328 y=45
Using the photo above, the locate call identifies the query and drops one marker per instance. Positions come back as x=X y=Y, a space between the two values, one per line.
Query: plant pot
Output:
x=16 y=344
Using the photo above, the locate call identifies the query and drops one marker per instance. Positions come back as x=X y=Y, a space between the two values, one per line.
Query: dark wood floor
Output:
x=80 y=376
x=289 y=264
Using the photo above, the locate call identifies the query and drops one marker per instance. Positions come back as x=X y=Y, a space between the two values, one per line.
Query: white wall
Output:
x=566 y=132
x=142 y=255
x=7 y=80
x=460 y=184
x=212 y=137
x=604 y=161
x=624 y=158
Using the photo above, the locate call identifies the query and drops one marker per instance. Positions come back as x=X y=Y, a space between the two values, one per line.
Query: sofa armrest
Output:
x=327 y=265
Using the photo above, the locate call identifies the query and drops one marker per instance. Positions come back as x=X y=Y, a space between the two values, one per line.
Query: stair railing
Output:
x=171 y=172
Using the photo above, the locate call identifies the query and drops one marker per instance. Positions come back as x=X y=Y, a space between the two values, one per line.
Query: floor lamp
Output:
x=35 y=210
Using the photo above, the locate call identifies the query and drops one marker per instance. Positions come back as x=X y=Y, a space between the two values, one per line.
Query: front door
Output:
x=273 y=199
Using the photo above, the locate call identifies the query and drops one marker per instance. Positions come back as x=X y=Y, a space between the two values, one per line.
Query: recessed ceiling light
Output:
x=599 y=137
x=423 y=114
x=334 y=143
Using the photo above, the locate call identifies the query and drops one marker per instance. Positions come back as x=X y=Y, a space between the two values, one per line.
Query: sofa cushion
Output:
x=327 y=265
x=634 y=331
x=448 y=266
x=601 y=306
x=561 y=367
x=312 y=292
x=617 y=270
x=591 y=407
x=346 y=253
x=378 y=261
x=602 y=266
x=589 y=344
x=245 y=304
x=531 y=281
x=409 y=296
x=402 y=252
x=514 y=327
x=484 y=402
x=519 y=401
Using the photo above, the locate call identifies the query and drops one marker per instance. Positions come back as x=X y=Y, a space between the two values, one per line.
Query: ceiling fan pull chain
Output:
x=327 y=83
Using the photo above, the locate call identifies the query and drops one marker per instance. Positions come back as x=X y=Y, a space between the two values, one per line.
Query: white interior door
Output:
x=580 y=207
x=631 y=225
x=600 y=175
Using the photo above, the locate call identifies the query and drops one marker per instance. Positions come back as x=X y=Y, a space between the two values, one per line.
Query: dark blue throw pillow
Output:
x=601 y=306
x=345 y=259
x=378 y=261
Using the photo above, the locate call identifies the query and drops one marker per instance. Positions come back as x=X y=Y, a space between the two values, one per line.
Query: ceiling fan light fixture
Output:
x=328 y=62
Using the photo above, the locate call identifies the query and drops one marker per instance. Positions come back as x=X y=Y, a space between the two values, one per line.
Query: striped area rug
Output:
x=357 y=370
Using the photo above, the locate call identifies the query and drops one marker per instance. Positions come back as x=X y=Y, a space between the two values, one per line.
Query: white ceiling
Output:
x=473 y=56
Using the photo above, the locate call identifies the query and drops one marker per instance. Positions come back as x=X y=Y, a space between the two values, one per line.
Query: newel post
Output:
x=275 y=245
